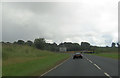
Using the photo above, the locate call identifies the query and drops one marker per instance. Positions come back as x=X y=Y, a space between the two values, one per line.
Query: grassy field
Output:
x=28 y=61
x=110 y=52
x=109 y=55
x=106 y=49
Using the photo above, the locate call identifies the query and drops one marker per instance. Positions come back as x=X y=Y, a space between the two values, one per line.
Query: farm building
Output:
x=62 y=49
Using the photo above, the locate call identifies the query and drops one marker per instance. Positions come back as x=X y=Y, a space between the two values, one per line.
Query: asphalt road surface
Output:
x=90 y=65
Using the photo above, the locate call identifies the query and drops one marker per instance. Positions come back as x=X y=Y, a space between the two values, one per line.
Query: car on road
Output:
x=77 y=55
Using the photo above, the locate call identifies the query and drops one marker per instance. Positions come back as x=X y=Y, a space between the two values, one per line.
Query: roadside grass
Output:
x=106 y=49
x=109 y=52
x=28 y=61
x=0 y=59
x=113 y=55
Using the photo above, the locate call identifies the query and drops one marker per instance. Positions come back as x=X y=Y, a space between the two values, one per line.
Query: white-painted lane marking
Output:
x=54 y=67
x=107 y=75
x=97 y=66
x=90 y=61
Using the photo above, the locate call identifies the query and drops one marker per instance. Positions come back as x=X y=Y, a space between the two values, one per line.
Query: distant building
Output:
x=85 y=51
x=62 y=49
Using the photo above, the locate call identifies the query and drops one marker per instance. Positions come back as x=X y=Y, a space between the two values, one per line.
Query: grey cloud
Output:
x=56 y=22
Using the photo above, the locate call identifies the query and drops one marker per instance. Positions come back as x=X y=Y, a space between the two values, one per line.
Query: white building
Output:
x=62 y=49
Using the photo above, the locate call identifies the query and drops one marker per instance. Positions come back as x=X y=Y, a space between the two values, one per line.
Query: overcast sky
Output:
x=93 y=21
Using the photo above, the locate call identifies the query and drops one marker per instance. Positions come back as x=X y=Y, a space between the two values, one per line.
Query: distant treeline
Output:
x=40 y=43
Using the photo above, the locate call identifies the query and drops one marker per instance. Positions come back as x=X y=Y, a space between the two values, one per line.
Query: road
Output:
x=90 y=65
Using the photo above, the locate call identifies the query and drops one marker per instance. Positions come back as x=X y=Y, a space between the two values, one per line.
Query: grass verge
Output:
x=28 y=61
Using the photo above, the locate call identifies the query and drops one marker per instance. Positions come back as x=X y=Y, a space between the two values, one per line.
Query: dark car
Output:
x=77 y=55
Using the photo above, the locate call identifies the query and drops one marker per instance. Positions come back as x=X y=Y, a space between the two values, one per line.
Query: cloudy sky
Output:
x=93 y=21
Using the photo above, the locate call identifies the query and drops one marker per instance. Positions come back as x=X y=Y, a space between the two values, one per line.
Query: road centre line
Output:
x=97 y=66
x=90 y=61
x=94 y=63
x=107 y=75
x=69 y=58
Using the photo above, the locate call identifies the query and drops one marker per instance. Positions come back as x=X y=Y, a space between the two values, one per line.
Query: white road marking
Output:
x=90 y=61
x=86 y=58
x=54 y=67
x=107 y=75
x=97 y=66
x=69 y=58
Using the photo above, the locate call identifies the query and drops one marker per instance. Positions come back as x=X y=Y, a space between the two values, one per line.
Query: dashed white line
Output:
x=97 y=66
x=87 y=59
x=90 y=61
x=107 y=75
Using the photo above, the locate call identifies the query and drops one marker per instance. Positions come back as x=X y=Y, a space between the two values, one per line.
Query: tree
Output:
x=14 y=42
x=107 y=46
x=21 y=42
x=30 y=43
x=113 y=44
x=70 y=46
x=51 y=47
x=118 y=44
x=85 y=45
x=54 y=47
x=8 y=43
x=39 y=43
x=3 y=42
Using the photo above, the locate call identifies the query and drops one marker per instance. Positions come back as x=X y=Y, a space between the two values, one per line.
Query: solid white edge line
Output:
x=54 y=67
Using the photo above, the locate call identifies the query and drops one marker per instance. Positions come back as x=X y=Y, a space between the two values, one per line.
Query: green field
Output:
x=110 y=52
x=106 y=49
x=28 y=61
x=109 y=55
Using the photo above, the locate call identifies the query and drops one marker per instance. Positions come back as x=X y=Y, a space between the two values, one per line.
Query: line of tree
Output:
x=40 y=43
x=114 y=44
